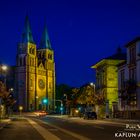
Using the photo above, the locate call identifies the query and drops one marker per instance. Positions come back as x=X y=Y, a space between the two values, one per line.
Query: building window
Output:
x=122 y=78
x=132 y=53
x=20 y=61
x=24 y=62
x=132 y=74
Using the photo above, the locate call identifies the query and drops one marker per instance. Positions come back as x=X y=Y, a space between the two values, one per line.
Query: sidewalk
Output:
x=4 y=122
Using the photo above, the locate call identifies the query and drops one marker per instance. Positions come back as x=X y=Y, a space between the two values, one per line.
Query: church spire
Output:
x=27 y=33
x=45 y=41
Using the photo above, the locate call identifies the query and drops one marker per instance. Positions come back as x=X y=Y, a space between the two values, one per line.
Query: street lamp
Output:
x=92 y=84
x=4 y=69
x=11 y=89
x=36 y=102
x=65 y=95
x=20 y=109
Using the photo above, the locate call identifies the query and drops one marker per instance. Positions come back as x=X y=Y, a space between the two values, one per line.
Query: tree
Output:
x=6 y=97
x=61 y=91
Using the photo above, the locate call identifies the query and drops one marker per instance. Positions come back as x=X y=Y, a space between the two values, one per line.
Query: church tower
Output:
x=46 y=58
x=25 y=70
x=35 y=72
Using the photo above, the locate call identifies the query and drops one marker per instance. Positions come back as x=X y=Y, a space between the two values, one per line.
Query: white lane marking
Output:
x=44 y=133
x=67 y=132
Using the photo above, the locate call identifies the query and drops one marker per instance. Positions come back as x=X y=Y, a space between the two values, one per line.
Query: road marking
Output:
x=44 y=133
x=67 y=132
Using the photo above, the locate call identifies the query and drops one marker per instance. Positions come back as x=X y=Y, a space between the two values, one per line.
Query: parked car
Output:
x=90 y=115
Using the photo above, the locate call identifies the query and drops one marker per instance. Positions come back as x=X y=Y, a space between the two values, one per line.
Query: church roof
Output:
x=45 y=41
x=27 y=33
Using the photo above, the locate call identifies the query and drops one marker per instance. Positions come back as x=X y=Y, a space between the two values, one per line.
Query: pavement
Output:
x=4 y=122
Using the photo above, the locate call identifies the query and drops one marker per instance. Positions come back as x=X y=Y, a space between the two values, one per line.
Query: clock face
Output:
x=41 y=84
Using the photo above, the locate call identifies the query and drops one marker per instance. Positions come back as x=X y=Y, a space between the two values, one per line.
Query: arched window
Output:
x=24 y=60
x=20 y=61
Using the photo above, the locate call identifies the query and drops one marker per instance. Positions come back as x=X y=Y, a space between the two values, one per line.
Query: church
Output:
x=35 y=72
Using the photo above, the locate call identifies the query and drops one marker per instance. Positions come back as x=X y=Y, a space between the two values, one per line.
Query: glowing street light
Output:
x=4 y=67
x=20 y=109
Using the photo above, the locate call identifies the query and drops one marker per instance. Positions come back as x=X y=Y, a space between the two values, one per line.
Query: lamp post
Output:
x=92 y=84
x=65 y=95
x=4 y=69
x=20 y=110
x=36 y=103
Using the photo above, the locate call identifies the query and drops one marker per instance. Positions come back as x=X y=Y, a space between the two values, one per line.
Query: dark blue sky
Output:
x=81 y=31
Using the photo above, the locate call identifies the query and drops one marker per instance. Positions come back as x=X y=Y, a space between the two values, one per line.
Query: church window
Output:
x=50 y=56
x=20 y=61
x=24 y=61
x=31 y=82
x=30 y=50
x=33 y=51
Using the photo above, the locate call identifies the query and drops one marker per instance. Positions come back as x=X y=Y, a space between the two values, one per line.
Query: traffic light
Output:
x=45 y=101
x=61 y=108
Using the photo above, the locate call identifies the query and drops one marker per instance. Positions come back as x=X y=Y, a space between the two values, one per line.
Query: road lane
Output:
x=93 y=131
x=19 y=129
x=47 y=135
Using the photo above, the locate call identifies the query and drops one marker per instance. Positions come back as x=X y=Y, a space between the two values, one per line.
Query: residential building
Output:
x=129 y=80
x=107 y=81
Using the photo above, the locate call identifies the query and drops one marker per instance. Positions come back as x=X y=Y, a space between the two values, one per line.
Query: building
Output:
x=35 y=72
x=129 y=80
x=107 y=80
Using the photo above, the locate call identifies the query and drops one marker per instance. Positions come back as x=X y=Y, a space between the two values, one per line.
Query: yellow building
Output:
x=107 y=79
x=35 y=72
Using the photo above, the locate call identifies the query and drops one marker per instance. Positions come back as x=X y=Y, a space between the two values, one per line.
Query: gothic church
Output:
x=35 y=72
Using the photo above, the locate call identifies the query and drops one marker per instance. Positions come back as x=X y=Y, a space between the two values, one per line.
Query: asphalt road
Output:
x=91 y=129
x=19 y=129
x=57 y=128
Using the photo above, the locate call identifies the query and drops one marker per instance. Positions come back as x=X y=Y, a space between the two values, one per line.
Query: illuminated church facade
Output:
x=35 y=72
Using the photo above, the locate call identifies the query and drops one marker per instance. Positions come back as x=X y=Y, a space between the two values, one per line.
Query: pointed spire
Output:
x=27 y=33
x=45 y=41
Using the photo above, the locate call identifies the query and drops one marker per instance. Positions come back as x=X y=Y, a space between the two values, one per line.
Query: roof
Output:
x=27 y=33
x=45 y=41
x=132 y=42
x=117 y=56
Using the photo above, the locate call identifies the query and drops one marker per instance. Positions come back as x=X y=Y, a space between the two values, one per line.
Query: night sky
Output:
x=82 y=32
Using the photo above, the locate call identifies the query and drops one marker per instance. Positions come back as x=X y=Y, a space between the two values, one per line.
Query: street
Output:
x=54 y=127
